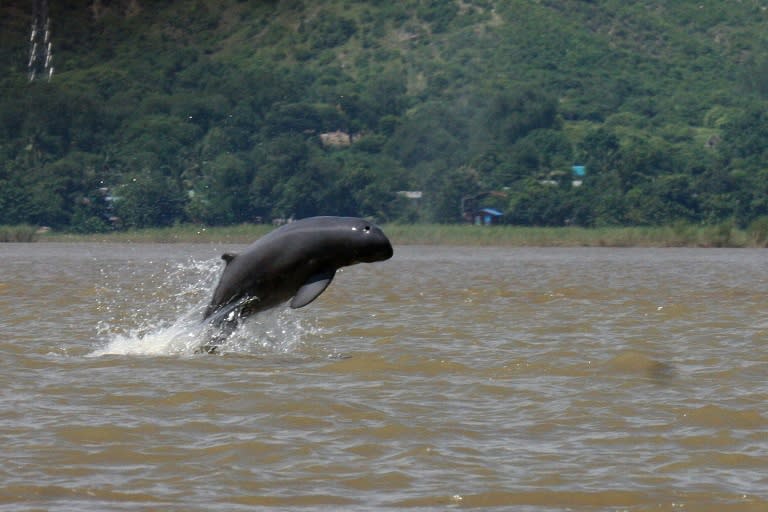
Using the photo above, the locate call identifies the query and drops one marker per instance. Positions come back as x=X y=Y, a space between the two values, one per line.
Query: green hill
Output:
x=232 y=111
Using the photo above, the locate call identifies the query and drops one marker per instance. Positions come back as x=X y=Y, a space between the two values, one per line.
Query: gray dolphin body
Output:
x=295 y=262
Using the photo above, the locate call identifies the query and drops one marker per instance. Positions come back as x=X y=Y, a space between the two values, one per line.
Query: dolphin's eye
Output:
x=367 y=229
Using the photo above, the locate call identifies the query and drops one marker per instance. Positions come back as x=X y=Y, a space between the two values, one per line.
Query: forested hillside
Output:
x=230 y=111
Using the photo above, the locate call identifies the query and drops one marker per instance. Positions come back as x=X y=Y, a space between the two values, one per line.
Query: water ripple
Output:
x=532 y=379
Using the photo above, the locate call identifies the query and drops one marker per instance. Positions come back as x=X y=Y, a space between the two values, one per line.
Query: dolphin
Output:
x=295 y=262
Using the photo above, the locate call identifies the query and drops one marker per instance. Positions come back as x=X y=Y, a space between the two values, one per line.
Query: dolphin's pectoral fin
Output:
x=228 y=257
x=315 y=285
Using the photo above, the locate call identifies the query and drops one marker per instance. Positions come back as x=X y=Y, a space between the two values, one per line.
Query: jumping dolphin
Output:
x=296 y=261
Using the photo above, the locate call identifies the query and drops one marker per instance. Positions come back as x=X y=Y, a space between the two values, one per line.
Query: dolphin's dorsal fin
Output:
x=315 y=285
x=228 y=257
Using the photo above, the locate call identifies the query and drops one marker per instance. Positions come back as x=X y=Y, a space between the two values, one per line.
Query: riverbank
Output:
x=20 y=233
x=680 y=235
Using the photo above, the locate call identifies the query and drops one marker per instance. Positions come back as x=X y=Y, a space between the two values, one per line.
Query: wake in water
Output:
x=163 y=316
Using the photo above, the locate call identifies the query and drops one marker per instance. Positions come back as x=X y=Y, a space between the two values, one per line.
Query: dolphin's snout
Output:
x=386 y=252
x=384 y=246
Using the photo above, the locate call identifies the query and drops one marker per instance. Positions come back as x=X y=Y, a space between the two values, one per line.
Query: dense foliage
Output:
x=212 y=112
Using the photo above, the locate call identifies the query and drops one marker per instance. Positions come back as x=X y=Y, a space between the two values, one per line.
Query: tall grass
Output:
x=758 y=232
x=676 y=235
x=183 y=233
x=21 y=233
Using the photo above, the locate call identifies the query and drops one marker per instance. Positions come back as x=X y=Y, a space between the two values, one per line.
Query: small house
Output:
x=487 y=217
x=578 y=171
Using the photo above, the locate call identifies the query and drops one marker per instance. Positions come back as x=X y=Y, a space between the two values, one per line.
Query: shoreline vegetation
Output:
x=677 y=235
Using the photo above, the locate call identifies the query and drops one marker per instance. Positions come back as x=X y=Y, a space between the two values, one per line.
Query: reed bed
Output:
x=678 y=235
x=22 y=233
x=667 y=236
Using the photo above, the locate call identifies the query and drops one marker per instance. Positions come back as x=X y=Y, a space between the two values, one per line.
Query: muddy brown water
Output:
x=446 y=378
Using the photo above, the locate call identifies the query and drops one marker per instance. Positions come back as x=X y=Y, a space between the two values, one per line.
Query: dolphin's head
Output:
x=368 y=242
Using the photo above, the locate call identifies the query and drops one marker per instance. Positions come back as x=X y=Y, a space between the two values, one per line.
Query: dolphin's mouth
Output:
x=383 y=254
x=387 y=253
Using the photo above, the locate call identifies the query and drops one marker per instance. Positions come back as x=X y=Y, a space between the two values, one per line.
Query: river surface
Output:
x=445 y=378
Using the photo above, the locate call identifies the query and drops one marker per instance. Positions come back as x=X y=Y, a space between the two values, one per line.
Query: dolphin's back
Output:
x=261 y=264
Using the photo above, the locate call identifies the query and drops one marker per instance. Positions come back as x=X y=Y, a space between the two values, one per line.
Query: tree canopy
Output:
x=227 y=112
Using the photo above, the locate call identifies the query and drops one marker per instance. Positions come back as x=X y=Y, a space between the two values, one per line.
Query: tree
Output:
x=513 y=114
x=444 y=191
x=149 y=198
x=745 y=138
x=537 y=204
x=664 y=200
x=599 y=151
x=432 y=134
x=221 y=195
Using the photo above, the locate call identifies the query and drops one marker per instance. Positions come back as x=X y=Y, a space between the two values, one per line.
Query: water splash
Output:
x=280 y=330
x=161 y=315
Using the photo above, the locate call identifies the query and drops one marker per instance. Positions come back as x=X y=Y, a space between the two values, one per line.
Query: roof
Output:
x=491 y=211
